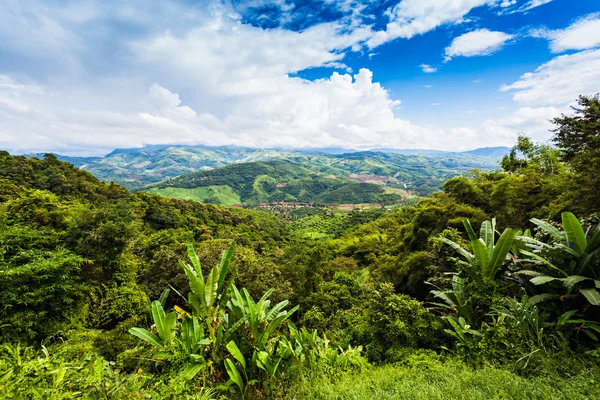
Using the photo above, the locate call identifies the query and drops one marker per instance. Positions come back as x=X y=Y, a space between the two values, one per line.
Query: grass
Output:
x=223 y=193
x=430 y=379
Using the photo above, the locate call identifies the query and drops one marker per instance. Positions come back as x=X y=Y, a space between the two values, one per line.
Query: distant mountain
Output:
x=136 y=168
x=496 y=152
x=359 y=177
x=493 y=152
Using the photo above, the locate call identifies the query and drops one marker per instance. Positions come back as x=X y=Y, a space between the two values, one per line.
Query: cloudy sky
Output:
x=84 y=77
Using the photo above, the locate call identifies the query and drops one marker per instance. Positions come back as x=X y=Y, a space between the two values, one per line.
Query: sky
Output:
x=85 y=77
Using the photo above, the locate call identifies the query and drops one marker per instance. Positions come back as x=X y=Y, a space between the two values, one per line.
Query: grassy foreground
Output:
x=430 y=378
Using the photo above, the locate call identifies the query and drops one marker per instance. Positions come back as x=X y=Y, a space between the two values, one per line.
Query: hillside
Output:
x=134 y=168
x=290 y=180
x=354 y=178
x=138 y=167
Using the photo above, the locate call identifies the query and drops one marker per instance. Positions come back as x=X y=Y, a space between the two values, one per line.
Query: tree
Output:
x=578 y=137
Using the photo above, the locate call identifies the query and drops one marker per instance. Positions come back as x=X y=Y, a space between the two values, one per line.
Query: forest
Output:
x=486 y=289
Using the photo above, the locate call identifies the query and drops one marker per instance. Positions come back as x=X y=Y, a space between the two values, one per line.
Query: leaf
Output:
x=573 y=280
x=541 y=298
x=236 y=353
x=481 y=254
x=487 y=234
x=224 y=264
x=548 y=228
x=195 y=261
x=540 y=280
x=196 y=283
x=192 y=370
x=528 y=273
x=276 y=309
x=146 y=336
x=546 y=262
x=459 y=249
x=158 y=315
x=500 y=251
x=163 y=297
x=574 y=232
x=170 y=322
x=233 y=373
x=594 y=242
x=591 y=295
x=210 y=289
x=470 y=231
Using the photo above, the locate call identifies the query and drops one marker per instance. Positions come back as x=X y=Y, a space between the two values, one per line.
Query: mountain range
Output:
x=136 y=168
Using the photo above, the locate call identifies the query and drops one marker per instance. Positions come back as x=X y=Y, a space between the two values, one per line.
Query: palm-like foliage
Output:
x=488 y=255
x=223 y=320
x=570 y=258
x=208 y=297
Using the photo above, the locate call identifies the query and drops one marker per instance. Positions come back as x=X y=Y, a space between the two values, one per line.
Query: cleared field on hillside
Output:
x=224 y=194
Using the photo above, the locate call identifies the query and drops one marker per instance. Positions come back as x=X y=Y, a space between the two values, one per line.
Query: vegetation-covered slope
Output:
x=135 y=168
x=489 y=289
x=360 y=177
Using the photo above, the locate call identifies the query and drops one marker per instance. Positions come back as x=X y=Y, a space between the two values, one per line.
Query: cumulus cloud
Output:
x=428 y=69
x=477 y=43
x=581 y=35
x=559 y=81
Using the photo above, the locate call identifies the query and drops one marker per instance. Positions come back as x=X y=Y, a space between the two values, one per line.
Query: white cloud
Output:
x=477 y=43
x=532 y=121
x=414 y=17
x=428 y=69
x=533 y=4
x=511 y=6
x=435 y=104
x=427 y=86
x=559 y=81
x=581 y=35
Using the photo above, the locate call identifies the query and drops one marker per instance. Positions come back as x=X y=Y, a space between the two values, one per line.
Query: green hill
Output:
x=137 y=168
x=354 y=178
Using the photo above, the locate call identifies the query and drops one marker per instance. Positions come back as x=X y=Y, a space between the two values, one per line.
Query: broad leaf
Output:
x=195 y=261
x=234 y=374
x=236 y=353
x=574 y=232
x=468 y=256
x=548 y=228
x=487 y=234
x=146 y=336
x=501 y=249
x=469 y=229
x=192 y=370
x=591 y=295
x=158 y=315
x=573 y=280
x=546 y=262
x=541 y=298
x=481 y=254
x=224 y=264
x=540 y=280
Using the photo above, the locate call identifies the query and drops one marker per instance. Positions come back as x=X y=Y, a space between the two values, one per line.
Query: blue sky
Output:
x=83 y=77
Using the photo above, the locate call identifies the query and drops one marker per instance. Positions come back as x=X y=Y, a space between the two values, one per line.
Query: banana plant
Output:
x=207 y=298
x=456 y=299
x=259 y=317
x=575 y=257
x=235 y=377
x=191 y=339
x=488 y=254
x=164 y=324
x=460 y=329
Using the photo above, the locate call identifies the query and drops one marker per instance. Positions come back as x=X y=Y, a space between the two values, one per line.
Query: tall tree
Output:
x=578 y=136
